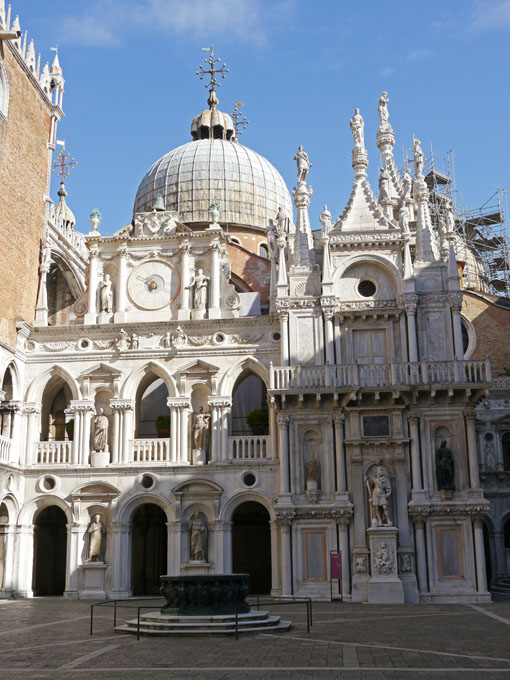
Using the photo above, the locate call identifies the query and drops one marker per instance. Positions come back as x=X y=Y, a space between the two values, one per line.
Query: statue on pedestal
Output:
x=379 y=489
x=444 y=468
x=106 y=295
x=312 y=477
x=419 y=158
x=100 y=432
x=384 y=186
x=407 y=185
x=200 y=281
x=95 y=532
x=357 y=128
x=325 y=220
x=382 y=110
x=200 y=436
x=303 y=165
x=198 y=539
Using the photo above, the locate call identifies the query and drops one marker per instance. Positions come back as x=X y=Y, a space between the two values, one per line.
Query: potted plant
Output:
x=162 y=425
x=70 y=429
x=258 y=421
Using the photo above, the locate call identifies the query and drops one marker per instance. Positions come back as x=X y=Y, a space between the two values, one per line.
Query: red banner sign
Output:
x=336 y=565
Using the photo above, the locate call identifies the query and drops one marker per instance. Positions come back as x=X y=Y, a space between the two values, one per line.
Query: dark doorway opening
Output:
x=251 y=545
x=148 y=549
x=487 y=548
x=50 y=548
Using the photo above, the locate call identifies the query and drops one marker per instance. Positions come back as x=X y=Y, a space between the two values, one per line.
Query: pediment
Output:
x=198 y=368
x=101 y=491
x=197 y=488
x=100 y=372
x=362 y=212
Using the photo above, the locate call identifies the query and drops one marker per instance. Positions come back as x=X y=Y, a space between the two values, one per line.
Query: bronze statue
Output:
x=444 y=468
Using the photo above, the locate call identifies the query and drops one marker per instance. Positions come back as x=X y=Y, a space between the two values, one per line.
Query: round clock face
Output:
x=153 y=284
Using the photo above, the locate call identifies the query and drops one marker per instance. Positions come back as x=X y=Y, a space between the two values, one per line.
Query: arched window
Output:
x=250 y=395
x=505 y=442
x=55 y=401
x=263 y=250
x=151 y=403
x=4 y=93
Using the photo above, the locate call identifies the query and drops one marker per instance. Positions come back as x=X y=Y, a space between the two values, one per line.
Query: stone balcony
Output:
x=394 y=376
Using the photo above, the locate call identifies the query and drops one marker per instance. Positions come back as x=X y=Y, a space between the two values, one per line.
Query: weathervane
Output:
x=240 y=121
x=64 y=163
x=211 y=72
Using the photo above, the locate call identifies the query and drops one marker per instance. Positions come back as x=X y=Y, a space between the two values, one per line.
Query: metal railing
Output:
x=395 y=374
x=151 y=451
x=249 y=447
x=54 y=453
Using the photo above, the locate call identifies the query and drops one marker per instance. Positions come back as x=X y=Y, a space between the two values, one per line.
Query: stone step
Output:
x=281 y=626
x=257 y=615
x=192 y=625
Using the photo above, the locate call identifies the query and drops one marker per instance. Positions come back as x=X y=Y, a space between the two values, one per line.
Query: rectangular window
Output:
x=369 y=347
x=314 y=544
x=449 y=543
x=376 y=426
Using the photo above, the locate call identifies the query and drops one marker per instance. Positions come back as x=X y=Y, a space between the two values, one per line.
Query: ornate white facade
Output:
x=371 y=445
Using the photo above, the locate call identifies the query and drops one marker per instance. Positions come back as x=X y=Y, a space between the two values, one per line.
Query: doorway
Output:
x=148 y=549
x=251 y=545
x=50 y=549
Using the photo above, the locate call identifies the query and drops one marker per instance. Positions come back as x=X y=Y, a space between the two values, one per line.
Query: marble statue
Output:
x=419 y=158
x=198 y=539
x=303 y=165
x=135 y=341
x=101 y=431
x=403 y=219
x=325 y=220
x=271 y=239
x=312 y=468
x=382 y=110
x=384 y=185
x=406 y=563
x=357 y=129
x=379 y=489
x=106 y=294
x=281 y=221
x=200 y=429
x=178 y=339
x=200 y=281
x=491 y=460
x=214 y=211
x=96 y=533
x=450 y=218
x=444 y=468
x=167 y=340
x=383 y=560
x=407 y=185
x=46 y=256
x=123 y=342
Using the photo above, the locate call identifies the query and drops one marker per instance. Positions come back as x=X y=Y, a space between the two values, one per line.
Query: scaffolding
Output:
x=483 y=231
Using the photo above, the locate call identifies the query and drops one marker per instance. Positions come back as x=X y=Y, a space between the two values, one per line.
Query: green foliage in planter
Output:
x=70 y=426
x=162 y=422
x=258 y=420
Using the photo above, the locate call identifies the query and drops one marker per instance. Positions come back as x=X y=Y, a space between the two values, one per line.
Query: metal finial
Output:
x=64 y=163
x=211 y=72
x=239 y=120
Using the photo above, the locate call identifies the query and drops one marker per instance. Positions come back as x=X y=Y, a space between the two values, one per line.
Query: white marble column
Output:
x=121 y=560
x=415 y=452
x=184 y=408
x=330 y=340
x=275 y=574
x=41 y=309
x=127 y=430
x=116 y=435
x=284 y=322
x=91 y=316
x=341 y=473
x=283 y=426
x=421 y=554
x=285 y=529
x=455 y=301
x=472 y=450
x=481 y=574
x=24 y=559
x=184 y=309
x=214 y=303
x=343 y=531
x=87 y=412
x=74 y=533
x=411 y=331
x=121 y=283
x=32 y=411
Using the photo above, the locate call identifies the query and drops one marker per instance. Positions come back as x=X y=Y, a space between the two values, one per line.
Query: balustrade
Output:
x=151 y=451
x=5 y=449
x=250 y=447
x=54 y=453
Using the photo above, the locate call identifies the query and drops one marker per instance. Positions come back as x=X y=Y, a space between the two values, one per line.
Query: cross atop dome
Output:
x=211 y=72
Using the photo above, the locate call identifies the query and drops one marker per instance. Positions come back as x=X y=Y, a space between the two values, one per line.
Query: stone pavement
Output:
x=49 y=638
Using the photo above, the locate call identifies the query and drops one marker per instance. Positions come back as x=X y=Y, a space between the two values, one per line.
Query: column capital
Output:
x=220 y=402
x=122 y=404
x=178 y=402
x=413 y=419
x=282 y=420
x=81 y=405
x=123 y=250
x=470 y=416
x=32 y=407
x=338 y=419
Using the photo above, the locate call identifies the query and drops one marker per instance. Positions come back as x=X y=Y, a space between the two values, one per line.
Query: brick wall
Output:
x=255 y=271
x=23 y=172
x=492 y=326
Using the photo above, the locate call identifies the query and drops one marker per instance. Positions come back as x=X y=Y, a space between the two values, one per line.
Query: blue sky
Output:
x=300 y=67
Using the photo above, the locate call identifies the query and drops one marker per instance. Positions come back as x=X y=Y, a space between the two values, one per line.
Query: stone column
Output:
x=116 y=435
x=74 y=533
x=24 y=559
x=481 y=574
x=214 y=449
x=273 y=453
x=455 y=301
x=285 y=527
x=284 y=321
x=184 y=449
x=498 y=558
x=214 y=307
x=341 y=472
x=184 y=310
x=121 y=283
x=91 y=316
x=415 y=452
x=343 y=532
x=410 y=307
x=87 y=410
x=275 y=574
x=128 y=408
x=330 y=340
x=421 y=554
x=32 y=412
x=283 y=425
x=77 y=432
x=41 y=309
x=472 y=450
x=121 y=560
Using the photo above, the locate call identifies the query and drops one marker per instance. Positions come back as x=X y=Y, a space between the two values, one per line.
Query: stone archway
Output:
x=251 y=545
x=149 y=549
x=50 y=549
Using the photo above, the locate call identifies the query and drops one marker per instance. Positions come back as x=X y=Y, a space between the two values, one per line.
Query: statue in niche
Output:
x=407 y=185
x=313 y=474
x=200 y=281
x=403 y=219
x=384 y=185
x=106 y=294
x=96 y=533
x=419 y=158
x=382 y=110
x=200 y=434
x=303 y=165
x=379 y=490
x=357 y=128
x=490 y=457
x=198 y=539
x=101 y=431
x=444 y=468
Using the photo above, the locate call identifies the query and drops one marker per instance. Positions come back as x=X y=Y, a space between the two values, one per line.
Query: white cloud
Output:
x=387 y=71
x=107 y=20
x=488 y=15
x=418 y=55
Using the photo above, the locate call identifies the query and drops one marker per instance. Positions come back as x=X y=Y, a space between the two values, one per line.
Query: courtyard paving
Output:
x=49 y=638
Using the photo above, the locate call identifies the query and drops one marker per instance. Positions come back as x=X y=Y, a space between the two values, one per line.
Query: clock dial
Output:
x=153 y=284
